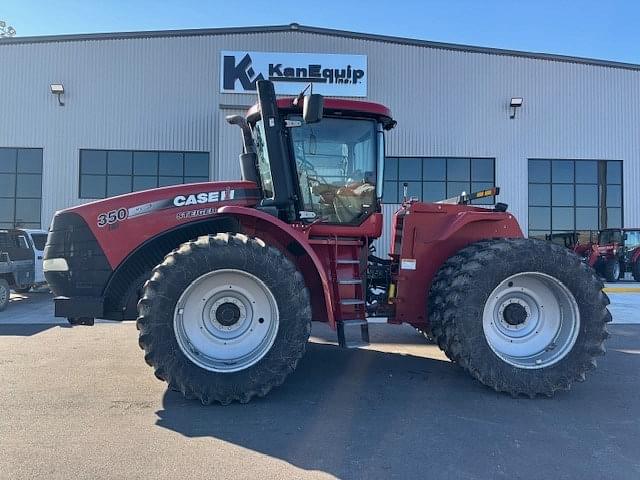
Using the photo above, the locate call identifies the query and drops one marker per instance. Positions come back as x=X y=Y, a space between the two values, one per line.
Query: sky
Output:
x=605 y=29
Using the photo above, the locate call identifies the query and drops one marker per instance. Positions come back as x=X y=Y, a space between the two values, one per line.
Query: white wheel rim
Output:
x=226 y=320
x=531 y=320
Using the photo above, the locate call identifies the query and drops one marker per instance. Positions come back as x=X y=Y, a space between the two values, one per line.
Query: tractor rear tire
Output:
x=219 y=289
x=558 y=320
x=611 y=270
x=5 y=294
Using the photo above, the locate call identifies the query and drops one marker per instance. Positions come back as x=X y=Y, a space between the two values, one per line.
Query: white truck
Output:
x=21 y=252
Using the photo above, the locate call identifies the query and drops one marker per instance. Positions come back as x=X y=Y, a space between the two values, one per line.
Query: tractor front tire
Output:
x=611 y=270
x=522 y=316
x=224 y=318
x=5 y=294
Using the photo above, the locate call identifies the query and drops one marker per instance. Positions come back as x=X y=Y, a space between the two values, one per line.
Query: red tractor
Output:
x=224 y=278
x=617 y=252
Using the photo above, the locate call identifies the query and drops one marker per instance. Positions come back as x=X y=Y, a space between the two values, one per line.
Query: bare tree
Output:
x=6 y=30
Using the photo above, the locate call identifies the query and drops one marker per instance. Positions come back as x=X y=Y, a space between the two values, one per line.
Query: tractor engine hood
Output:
x=115 y=221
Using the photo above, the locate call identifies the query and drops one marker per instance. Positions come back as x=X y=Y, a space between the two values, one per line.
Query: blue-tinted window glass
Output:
x=562 y=171
x=7 y=185
x=614 y=218
x=586 y=218
x=539 y=171
x=8 y=160
x=409 y=169
x=142 y=182
x=457 y=188
x=29 y=186
x=540 y=218
x=458 y=169
x=166 y=181
x=171 y=163
x=539 y=194
x=145 y=163
x=93 y=161
x=7 y=211
x=614 y=195
x=28 y=210
x=434 y=191
x=482 y=170
x=118 y=184
x=587 y=172
x=119 y=163
x=391 y=168
x=614 y=172
x=587 y=195
x=93 y=186
x=562 y=218
x=390 y=194
x=434 y=169
x=562 y=195
x=196 y=165
x=29 y=160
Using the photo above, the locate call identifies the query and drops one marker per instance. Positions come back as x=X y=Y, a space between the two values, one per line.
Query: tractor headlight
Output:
x=55 y=265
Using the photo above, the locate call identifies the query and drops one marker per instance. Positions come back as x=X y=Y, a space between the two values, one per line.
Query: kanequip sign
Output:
x=330 y=74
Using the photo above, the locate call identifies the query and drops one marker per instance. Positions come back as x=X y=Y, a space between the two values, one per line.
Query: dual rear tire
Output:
x=522 y=316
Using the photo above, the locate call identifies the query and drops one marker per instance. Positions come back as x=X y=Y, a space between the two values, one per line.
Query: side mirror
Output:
x=312 y=108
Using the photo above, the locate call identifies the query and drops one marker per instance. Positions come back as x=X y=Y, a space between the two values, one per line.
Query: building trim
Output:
x=294 y=27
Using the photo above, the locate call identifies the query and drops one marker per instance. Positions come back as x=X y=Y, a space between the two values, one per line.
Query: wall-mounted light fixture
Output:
x=57 y=89
x=515 y=103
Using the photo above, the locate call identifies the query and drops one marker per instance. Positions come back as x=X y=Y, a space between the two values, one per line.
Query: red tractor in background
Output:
x=225 y=278
x=617 y=252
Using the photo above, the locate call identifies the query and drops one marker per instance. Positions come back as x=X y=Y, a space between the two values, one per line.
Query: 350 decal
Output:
x=112 y=217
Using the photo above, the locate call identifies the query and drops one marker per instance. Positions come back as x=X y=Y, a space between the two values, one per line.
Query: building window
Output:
x=432 y=179
x=106 y=173
x=20 y=187
x=574 y=195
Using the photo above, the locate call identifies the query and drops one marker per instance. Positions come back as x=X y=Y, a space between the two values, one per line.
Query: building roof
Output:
x=295 y=27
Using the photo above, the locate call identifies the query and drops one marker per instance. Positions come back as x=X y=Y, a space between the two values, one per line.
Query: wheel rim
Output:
x=226 y=320
x=531 y=320
x=4 y=294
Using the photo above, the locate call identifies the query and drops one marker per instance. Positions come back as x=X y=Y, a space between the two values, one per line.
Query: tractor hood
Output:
x=114 y=221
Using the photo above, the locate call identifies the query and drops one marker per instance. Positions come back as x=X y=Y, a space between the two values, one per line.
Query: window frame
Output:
x=425 y=159
x=16 y=196
x=575 y=184
x=132 y=175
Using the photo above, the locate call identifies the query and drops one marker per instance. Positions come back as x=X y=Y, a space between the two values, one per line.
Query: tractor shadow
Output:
x=371 y=414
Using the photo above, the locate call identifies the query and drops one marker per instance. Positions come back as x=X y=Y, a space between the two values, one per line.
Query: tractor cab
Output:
x=315 y=160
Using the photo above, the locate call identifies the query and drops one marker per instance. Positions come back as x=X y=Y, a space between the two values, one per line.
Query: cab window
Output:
x=336 y=164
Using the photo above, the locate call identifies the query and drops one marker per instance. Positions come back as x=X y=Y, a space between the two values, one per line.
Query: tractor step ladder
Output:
x=349 y=294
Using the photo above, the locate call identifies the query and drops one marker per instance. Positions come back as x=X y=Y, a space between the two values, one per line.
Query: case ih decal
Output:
x=121 y=214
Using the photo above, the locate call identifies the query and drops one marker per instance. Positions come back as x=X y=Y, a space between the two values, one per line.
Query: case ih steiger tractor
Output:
x=224 y=278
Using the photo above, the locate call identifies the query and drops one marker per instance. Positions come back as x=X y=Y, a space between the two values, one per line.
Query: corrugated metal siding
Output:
x=383 y=244
x=162 y=93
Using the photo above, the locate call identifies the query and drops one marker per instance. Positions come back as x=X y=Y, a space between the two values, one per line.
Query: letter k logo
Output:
x=241 y=71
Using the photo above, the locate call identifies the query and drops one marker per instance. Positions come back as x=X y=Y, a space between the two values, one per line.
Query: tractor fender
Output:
x=258 y=221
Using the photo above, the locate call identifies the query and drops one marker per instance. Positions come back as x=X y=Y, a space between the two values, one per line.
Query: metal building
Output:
x=85 y=116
